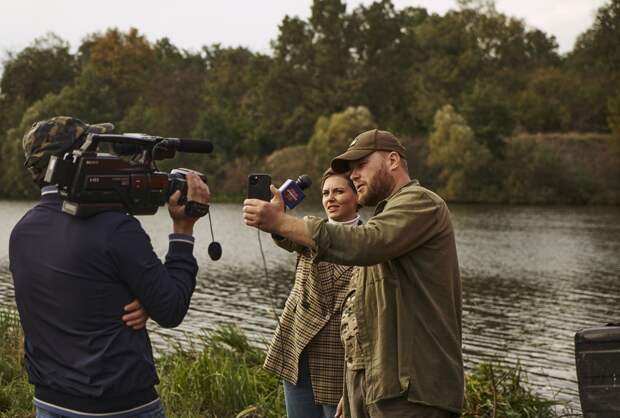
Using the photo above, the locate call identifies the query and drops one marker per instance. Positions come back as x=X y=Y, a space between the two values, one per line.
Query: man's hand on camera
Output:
x=197 y=191
x=136 y=316
x=264 y=215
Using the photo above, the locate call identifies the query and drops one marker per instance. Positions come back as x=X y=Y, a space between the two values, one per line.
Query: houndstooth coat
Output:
x=311 y=320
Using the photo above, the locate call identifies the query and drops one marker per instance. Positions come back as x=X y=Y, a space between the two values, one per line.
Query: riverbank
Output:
x=222 y=376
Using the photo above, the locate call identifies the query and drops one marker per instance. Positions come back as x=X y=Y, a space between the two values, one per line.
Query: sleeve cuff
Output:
x=318 y=232
x=181 y=238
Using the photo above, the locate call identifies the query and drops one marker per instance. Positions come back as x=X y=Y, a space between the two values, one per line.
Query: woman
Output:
x=306 y=351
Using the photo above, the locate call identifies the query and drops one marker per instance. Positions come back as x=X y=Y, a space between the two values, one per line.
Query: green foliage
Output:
x=401 y=65
x=598 y=46
x=286 y=162
x=533 y=168
x=558 y=169
x=384 y=44
x=535 y=175
x=542 y=106
x=15 y=391
x=495 y=390
x=490 y=115
x=464 y=163
x=595 y=60
x=614 y=121
x=224 y=378
x=44 y=67
x=333 y=135
x=230 y=116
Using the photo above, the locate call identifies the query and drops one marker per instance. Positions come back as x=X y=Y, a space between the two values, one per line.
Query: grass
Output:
x=15 y=391
x=224 y=378
x=498 y=391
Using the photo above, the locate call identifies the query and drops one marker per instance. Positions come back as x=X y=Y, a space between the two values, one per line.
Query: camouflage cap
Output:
x=364 y=144
x=54 y=136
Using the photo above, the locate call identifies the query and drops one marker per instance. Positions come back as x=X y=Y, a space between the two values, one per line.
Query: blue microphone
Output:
x=292 y=190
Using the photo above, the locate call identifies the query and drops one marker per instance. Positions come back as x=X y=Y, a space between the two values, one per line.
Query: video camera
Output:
x=91 y=182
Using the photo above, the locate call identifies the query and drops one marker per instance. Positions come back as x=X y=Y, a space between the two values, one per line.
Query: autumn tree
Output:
x=332 y=135
x=465 y=164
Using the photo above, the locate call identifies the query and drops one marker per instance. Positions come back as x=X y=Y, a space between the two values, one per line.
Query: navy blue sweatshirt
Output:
x=72 y=277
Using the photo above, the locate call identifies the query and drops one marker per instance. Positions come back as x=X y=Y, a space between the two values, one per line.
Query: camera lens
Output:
x=254 y=180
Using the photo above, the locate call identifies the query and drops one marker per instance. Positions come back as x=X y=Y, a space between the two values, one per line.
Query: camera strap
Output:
x=196 y=209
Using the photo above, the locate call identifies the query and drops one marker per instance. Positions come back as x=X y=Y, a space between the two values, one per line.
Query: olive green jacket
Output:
x=408 y=296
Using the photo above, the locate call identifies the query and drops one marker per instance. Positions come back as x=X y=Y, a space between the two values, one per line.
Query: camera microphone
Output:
x=292 y=190
x=200 y=146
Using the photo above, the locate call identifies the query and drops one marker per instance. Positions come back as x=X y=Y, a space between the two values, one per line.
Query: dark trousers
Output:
x=299 y=398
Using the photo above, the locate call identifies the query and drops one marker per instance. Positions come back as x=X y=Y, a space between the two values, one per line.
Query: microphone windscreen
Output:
x=215 y=250
x=304 y=181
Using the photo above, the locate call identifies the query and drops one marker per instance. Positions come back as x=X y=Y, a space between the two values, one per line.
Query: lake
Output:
x=532 y=277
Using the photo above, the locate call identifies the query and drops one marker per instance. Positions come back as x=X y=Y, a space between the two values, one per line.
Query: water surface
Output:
x=532 y=276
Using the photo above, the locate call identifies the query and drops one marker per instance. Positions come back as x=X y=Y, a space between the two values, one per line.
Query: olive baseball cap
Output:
x=55 y=136
x=364 y=144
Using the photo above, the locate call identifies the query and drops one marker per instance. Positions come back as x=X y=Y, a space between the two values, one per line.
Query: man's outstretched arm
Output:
x=407 y=221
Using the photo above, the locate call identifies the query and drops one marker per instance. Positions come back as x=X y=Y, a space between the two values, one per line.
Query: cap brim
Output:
x=340 y=164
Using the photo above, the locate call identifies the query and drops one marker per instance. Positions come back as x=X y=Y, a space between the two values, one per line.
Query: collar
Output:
x=354 y=221
x=381 y=204
x=50 y=194
x=45 y=190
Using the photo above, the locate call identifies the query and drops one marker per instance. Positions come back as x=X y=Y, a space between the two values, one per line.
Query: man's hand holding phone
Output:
x=258 y=210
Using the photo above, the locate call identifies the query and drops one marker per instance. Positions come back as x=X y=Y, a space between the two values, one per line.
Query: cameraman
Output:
x=73 y=276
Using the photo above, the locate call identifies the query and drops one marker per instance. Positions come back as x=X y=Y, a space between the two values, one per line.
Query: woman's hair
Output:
x=329 y=172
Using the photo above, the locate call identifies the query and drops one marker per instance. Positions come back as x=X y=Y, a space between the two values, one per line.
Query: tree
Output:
x=614 y=122
x=384 y=46
x=123 y=63
x=490 y=115
x=172 y=94
x=231 y=115
x=534 y=173
x=46 y=66
x=544 y=104
x=595 y=60
x=599 y=46
x=465 y=164
x=476 y=53
x=311 y=72
x=333 y=134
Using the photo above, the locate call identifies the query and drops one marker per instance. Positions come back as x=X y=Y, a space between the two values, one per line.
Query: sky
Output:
x=249 y=23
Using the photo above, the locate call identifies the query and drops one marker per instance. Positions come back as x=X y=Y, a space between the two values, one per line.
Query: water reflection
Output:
x=532 y=276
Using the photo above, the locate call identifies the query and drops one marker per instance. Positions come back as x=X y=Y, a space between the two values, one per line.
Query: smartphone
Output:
x=258 y=186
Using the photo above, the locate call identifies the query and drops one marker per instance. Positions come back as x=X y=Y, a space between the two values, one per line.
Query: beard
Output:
x=378 y=188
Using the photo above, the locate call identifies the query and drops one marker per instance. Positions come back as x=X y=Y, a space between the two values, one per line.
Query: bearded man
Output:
x=401 y=322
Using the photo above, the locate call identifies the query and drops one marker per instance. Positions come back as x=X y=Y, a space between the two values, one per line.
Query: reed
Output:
x=224 y=378
x=15 y=391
